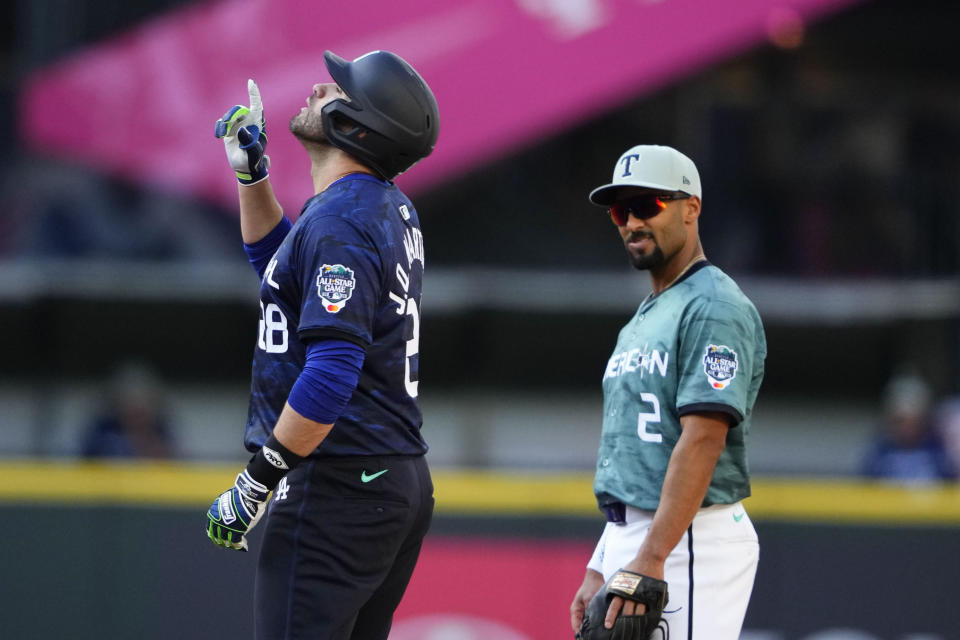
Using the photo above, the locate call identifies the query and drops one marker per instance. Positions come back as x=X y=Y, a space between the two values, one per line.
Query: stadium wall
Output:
x=119 y=551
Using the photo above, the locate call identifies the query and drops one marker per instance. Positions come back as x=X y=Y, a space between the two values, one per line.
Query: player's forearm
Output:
x=320 y=394
x=299 y=434
x=259 y=210
x=687 y=479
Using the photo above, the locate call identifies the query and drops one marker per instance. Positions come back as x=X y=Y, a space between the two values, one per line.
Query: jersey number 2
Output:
x=646 y=418
x=413 y=348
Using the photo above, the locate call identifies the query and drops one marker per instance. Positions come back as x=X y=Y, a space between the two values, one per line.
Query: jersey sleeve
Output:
x=718 y=354
x=260 y=252
x=341 y=282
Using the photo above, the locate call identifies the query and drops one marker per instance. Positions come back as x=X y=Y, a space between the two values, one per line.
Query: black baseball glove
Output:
x=629 y=586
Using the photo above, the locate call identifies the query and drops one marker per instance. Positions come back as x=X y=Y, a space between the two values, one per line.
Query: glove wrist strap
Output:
x=250 y=179
x=272 y=462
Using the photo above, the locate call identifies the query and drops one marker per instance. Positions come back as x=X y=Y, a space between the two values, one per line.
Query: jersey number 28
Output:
x=272 y=336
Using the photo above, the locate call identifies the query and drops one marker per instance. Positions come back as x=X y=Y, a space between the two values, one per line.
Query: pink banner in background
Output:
x=505 y=73
x=492 y=589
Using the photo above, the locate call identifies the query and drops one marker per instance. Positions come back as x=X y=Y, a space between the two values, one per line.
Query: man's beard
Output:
x=307 y=126
x=643 y=263
x=648 y=261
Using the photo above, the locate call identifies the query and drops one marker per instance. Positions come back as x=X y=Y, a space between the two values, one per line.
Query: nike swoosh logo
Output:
x=365 y=478
x=737 y=517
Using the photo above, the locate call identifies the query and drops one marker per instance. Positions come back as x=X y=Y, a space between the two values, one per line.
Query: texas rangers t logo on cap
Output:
x=626 y=160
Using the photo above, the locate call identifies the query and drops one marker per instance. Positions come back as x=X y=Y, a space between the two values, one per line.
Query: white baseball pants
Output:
x=709 y=573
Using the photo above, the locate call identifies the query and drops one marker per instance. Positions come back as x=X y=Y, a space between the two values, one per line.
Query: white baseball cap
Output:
x=650 y=167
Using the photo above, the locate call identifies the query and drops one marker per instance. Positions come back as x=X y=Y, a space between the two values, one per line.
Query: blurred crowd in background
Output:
x=916 y=440
x=833 y=159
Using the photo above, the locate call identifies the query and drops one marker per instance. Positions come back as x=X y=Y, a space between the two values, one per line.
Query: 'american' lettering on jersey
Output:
x=637 y=359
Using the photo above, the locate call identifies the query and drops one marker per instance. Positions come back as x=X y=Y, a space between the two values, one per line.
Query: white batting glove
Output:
x=244 y=134
x=235 y=512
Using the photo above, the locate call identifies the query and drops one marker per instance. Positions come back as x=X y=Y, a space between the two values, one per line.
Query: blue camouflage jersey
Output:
x=351 y=269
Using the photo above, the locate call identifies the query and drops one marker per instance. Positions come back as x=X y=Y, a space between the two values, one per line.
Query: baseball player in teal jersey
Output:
x=679 y=392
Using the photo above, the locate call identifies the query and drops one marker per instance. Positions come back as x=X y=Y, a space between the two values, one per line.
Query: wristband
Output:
x=272 y=462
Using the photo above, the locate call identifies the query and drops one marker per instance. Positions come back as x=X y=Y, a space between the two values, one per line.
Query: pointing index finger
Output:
x=256 y=103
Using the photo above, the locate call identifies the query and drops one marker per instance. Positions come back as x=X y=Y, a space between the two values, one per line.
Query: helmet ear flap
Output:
x=344 y=125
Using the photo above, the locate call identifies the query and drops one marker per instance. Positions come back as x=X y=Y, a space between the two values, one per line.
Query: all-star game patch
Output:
x=720 y=365
x=335 y=285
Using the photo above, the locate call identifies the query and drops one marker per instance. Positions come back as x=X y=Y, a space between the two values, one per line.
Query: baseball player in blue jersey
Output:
x=333 y=424
x=679 y=392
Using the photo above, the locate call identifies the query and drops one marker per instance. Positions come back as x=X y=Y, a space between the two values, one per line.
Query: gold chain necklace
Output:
x=653 y=294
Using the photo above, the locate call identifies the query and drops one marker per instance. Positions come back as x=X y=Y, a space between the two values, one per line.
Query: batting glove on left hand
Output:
x=244 y=134
x=235 y=512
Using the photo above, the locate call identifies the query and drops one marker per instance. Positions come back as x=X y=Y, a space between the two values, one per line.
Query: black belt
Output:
x=616 y=512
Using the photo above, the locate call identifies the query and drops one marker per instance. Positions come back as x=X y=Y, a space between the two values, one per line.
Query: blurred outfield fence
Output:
x=465 y=492
x=119 y=551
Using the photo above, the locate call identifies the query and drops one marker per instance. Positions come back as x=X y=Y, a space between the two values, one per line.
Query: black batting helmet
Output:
x=391 y=109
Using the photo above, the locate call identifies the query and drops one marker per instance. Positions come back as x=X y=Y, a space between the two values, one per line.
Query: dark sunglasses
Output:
x=643 y=206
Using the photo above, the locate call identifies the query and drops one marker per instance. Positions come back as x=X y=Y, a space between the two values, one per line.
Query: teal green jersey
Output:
x=697 y=346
